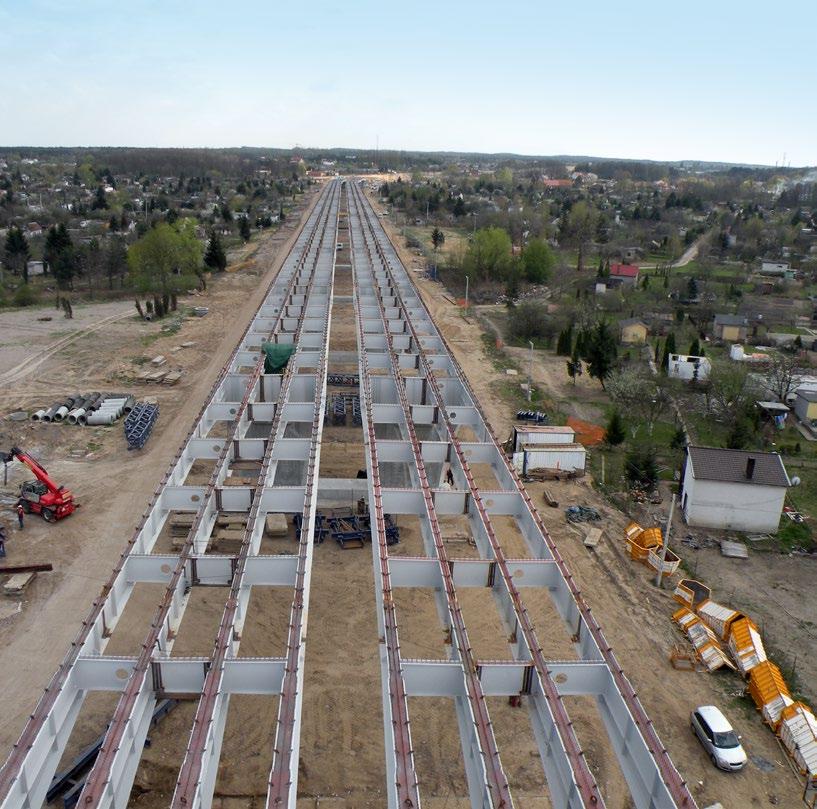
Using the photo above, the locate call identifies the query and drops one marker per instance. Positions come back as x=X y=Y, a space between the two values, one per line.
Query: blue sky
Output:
x=716 y=80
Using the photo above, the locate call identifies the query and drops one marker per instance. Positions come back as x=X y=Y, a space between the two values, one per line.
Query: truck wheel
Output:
x=47 y=515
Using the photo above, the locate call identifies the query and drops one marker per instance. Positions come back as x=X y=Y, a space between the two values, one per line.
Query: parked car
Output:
x=718 y=738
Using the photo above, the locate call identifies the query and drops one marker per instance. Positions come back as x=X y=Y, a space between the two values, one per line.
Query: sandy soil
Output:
x=112 y=484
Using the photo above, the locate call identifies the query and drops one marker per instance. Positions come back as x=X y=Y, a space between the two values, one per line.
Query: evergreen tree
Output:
x=614 y=435
x=17 y=253
x=600 y=352
x=669 y=348
x=641 y=467
x=692 y=288
x=657 y=351
x=215 y=257
x=740 y=434
x=244 y=228
x=100 y=203
x=574 y=366
x=645 y=284
x=695 y=348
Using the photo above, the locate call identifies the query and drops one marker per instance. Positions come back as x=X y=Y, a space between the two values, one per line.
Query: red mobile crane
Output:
x=41 y=496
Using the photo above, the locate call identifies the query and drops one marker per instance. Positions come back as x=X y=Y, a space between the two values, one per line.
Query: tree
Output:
x=731 y=392
x=692 y=288
x=115 y=260
x=601 y=352
x=529 y=322
x=537 y=261
x=100 y=202
x=167 y=259
x=564 y=345
x=695 y=348
x=639 y=396
x=641 y=467
x=669 y=348
x=226 y=213
x=574 y=366
x=577 y=226
x=489 y=255
x=244 y=228
x=56 y=241
x=740 y=434
x=214 y=256
x=17 y=252
x=783 y=376
x=67 y=267
x=614 y=434
x=437 y=238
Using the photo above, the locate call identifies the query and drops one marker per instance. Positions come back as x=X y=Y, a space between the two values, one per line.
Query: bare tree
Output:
x=783 y=376
x=642 y=398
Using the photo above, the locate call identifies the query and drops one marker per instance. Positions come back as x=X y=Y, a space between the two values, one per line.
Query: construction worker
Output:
x=449 y=476
x=20 y=512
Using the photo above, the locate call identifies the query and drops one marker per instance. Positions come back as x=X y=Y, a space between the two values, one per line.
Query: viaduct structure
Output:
x=419 y=419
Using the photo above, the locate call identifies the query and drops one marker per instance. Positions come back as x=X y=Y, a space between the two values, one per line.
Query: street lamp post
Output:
x=530 y=370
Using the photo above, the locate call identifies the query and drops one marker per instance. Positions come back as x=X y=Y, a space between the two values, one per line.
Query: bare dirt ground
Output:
x=112 y=484
x=342 y=748
x=635 y=615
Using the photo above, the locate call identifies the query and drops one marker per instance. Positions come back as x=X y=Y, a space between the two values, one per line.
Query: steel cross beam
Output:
x=572 y=785
x=27 y=773
x=199 y=769
x=109 y=782
x=630 y=730
x=488 y=783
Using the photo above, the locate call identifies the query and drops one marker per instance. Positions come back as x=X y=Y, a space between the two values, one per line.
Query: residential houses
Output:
x=633 y=331
x=805 y=406
x=730 y=328
x=688 y=367
x=733 y=489
x=626 y=274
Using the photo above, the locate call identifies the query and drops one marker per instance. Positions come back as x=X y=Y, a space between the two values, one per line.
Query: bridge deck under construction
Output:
x=370 y=418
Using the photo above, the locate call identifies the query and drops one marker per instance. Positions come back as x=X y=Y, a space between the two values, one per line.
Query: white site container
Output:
x=717 y=617
x=799 y=736
x=542 y=434
x=561 y=457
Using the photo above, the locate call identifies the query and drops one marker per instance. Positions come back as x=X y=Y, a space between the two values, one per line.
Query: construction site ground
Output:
x=342 y=741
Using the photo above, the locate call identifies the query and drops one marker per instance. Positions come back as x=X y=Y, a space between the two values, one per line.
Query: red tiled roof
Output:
x=624 y=270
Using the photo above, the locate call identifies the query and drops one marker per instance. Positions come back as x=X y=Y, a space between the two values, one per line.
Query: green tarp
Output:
x=276 y=357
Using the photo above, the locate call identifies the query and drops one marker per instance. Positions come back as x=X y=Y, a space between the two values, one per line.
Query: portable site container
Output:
x=523 y=436
x=558 y=457
x=769 y=691
x=746 y=645
x=798 y=732
x=641 y=542
x=668 y=566
x=690 y=593
x=706 y=644
x=718 y=617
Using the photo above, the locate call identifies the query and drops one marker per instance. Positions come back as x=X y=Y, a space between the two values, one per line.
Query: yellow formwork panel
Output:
x=767 y=686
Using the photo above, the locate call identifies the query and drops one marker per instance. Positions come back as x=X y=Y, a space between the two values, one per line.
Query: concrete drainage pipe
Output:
x=74 y=415
x=100 y=417
x=38 y=415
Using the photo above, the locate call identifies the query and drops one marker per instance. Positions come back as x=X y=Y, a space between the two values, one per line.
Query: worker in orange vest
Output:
x=20 y=512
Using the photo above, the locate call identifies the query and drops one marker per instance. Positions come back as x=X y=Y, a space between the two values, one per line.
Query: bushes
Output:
x=24 y=295
x=530 y=321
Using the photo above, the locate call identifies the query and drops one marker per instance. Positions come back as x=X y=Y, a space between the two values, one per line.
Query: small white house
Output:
x=688 y=367
x=733 y=489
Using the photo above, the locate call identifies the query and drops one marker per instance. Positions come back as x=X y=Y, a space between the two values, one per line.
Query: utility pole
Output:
x=530 y=370
x=466 y=294
x=659 y=577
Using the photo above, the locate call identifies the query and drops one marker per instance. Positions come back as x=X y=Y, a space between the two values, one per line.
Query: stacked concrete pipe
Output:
x=108 y=412
x=78 y=409
x=67 y=405
x=50 y=413
x=94 y=400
